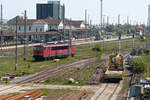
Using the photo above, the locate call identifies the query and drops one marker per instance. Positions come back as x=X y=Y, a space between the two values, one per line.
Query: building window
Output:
x=19 y=28
x=50 y=27
x=29 y=28
x=36 y=30
x=40 y=29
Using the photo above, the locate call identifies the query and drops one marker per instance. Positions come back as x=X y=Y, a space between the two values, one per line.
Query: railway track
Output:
x=109 y=91
x=106 y=92
x=51 y=71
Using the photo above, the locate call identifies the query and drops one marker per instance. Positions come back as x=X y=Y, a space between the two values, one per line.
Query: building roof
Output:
x=48 y=20
x=139 y=27
x=74 y=22
x=21 y=22
x=40 y=22
x=4 y=23
x=52 y=21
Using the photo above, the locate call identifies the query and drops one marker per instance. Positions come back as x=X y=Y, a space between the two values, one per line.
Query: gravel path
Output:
x=5 y=89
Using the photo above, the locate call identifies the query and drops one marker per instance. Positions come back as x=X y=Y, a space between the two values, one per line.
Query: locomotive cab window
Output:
x=60 y=48
x=44 y=48
x=53 y=48
x=38 y=48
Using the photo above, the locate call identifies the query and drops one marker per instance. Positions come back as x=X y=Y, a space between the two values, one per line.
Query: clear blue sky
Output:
x=135 y=9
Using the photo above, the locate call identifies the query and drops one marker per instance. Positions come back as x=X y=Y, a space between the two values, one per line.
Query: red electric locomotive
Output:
x=42 y=52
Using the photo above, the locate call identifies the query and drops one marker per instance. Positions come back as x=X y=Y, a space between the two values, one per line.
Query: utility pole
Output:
x=133 y=41
x=86 y=23
x=16 y=58
x=88 y=19
x=91 y=32
x=64 y=22
x=119 y=35
x=25 y=34
x=127 y=20
x=101 y=20
x=1 y=26
x=107 y=20
x=70 y=38
x=118 y=20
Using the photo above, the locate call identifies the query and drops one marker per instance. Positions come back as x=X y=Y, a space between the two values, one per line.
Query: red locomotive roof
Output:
x=52 y=45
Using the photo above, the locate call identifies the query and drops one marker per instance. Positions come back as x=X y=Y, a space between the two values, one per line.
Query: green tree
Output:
x=110 y=28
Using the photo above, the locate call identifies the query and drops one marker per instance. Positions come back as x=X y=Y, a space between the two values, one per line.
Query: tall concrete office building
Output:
x=52 y=9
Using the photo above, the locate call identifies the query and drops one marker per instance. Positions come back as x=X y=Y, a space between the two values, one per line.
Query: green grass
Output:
x=87 y=74
x=14 y=94
x=81 y=76
x=57 y=93
x=7 y=65
x=83 y=51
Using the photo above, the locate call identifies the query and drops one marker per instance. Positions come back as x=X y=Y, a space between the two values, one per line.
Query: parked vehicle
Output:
x=42 y=52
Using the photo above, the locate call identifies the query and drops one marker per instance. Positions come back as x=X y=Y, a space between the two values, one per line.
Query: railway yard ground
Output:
x=64 y=79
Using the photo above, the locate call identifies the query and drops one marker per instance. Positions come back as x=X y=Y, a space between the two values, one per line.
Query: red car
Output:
x=42 y=52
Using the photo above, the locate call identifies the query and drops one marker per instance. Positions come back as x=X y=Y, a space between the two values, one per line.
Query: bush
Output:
x=97 y=48
x=138 y=66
